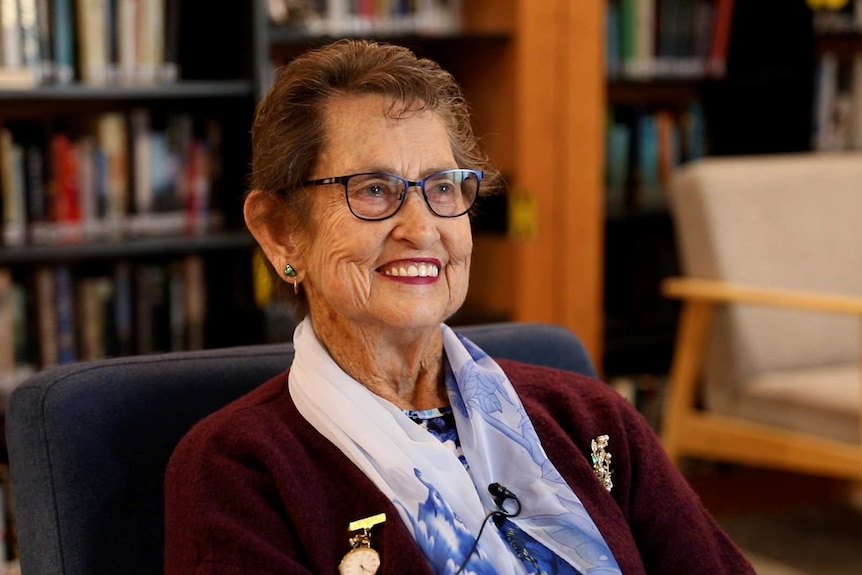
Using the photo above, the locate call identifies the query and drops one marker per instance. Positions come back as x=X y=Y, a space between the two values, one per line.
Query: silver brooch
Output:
x=602 y=461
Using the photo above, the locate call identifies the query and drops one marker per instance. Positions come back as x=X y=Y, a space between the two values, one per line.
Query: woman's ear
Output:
x=265 y=219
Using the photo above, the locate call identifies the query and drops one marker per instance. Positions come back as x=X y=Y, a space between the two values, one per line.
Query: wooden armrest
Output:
x=719 y=292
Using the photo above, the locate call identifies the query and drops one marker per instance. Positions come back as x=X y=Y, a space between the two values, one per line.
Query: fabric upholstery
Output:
x=786 y=221
x=89 y=442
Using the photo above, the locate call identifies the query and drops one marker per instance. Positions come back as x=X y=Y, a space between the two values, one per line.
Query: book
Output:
x=824 y=137
x=94 y=295
x=63 y=27
x=7 y=332
x=720 y=45
x=613 y=58
x=10 y=33
x=46 y=52
x=617 y=170
x=31 y=58
x=152 y=312
x=648 y=191
x=92 y=41
x=34 y=142
x=67 y=350
x=856 y=99
x=123 y=312
x=23 y=333
x=149 y=49
x=125 y=26
x=66 y=207
x=170 y=70
x=12 y=187
x=112 y=138
x=46 y=316
x=141 y=161
x=177 y=300
x=195 y=300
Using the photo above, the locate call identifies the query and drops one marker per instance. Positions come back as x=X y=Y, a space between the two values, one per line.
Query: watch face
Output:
x=360 y=561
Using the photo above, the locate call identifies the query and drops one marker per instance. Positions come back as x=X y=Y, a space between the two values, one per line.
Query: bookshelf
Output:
x=92 y=265
x=765 y=101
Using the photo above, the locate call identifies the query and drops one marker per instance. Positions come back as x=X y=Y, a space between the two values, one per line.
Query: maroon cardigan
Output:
x=255 y=489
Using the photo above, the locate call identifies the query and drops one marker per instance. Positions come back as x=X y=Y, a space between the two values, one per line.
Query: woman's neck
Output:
x=404 y=368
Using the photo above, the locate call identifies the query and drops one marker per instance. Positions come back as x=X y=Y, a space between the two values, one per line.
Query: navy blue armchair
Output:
x=88 y=442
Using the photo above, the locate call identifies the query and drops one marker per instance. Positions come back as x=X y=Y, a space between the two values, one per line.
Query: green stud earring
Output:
x=289 y=271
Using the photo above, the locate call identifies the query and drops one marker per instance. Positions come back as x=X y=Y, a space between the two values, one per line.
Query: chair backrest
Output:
x=791 y=221
x=89 y=442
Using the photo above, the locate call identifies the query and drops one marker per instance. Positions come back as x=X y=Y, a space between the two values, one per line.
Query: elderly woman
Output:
x=392 y=444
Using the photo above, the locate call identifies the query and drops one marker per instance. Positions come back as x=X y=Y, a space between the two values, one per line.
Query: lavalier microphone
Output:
x=501 y=494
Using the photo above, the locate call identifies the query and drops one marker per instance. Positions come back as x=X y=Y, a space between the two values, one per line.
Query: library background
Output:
x=124 y=152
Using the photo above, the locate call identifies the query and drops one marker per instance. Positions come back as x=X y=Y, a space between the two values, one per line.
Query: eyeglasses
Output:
x=375 y=196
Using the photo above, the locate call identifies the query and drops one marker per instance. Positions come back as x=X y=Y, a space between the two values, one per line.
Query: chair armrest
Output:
x=719 y=292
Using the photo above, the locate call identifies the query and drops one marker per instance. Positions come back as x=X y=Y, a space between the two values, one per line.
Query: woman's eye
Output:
x=443 y=188
x=374 y=190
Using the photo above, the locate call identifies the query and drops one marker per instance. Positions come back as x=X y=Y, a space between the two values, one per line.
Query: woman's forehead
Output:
x=363 y=132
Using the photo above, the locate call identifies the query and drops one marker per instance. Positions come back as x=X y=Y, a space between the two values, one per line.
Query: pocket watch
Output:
x=359 y=561
x=362 y=559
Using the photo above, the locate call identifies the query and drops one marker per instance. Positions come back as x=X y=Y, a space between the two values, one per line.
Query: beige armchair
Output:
x=766 y=369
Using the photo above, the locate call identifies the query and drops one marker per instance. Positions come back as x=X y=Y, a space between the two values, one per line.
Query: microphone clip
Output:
x=501 y=494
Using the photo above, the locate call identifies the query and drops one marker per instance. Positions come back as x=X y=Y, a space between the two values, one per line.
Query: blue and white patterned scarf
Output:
x=440 y=502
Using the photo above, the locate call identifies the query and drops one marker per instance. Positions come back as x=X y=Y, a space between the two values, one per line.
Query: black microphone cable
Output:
x=500 y=494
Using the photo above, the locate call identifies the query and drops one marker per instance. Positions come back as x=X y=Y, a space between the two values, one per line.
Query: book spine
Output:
x=721 y=37
x=123 y=312
x=10 y=33
x=7 y=332
x=196 y=304
x=92 y=43
x=46 y=316
x=62 y=22
x=127 y=44
x=46 y=49
x=66 y=338
x=12 y=186
x=30 y=56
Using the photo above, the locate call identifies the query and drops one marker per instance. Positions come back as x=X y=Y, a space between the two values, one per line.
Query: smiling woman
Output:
x=389 y=424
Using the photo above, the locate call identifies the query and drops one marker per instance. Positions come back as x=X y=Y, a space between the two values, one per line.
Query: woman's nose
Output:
x=416 y=221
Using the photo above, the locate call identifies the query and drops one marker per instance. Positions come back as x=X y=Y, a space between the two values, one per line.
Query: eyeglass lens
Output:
x=376 y=196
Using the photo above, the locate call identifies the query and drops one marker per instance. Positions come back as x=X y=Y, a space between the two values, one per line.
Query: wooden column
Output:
x=559 y=103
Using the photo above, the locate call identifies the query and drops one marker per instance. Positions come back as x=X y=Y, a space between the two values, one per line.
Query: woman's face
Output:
x=410 y=271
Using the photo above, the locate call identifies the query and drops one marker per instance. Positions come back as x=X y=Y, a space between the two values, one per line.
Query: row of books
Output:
x=838 y=103
x=643 y=148
x=118 y=174
x=91 y=41
x=61 y=314
x=677 y=38
x=836 y=16
x=362 y=17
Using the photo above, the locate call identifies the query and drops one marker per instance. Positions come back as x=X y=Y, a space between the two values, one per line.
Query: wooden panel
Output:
x=581 y=166
x=536 y=101
x=491 y=277
x=489 y=15
x=544 y=127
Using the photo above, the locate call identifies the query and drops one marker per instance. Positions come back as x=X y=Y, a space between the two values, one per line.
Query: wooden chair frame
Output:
x=688 y=431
